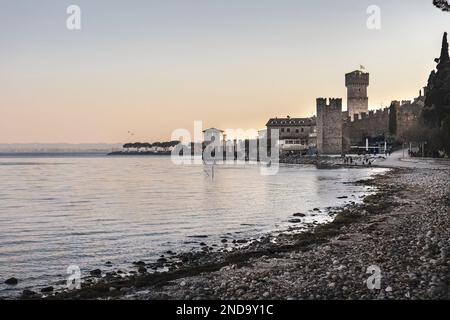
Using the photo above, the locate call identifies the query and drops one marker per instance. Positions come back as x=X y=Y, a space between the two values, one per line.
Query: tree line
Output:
x=147 y=145
x=432 y=129
x=435 y=118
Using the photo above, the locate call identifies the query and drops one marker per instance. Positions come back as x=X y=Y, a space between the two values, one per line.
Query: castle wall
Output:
x=329 y=126
x=365 y=125
x=407 y=117
x=376 y=124
x=338 y=131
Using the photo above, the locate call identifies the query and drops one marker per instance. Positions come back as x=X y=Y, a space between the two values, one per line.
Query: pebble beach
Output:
x=395 y=245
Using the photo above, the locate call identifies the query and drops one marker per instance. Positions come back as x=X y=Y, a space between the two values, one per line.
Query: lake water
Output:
x=86 y=210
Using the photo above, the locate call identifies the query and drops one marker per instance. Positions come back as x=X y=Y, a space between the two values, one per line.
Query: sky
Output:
x=148 y=67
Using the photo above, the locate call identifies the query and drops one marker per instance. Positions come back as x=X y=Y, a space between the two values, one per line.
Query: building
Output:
x=408 y=113
x=329 y=126
x=295 y=134
x=336 y=132
x=213 y=135
x=357 y=98
x=340 y=132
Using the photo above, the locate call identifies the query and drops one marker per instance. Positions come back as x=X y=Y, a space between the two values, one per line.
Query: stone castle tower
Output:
x=357 y=100
x=329 y=126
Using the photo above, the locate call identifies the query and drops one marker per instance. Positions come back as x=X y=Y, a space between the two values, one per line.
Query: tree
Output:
x=174 y=143
x=127 y=146
x=393 y=119
x=437 y=103
x=436 y=113
x=137 y=146
x=446 y=134
x=146 y=146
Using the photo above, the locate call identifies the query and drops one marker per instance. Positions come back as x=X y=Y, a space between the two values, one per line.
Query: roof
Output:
x=357 y=72
x=213 y=129
x=279 y=122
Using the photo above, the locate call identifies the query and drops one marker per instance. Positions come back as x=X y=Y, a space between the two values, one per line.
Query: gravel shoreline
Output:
x=403 y=229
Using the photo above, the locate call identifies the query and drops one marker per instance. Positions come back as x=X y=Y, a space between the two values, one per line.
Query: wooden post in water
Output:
x=257 y=150
x=247 y=150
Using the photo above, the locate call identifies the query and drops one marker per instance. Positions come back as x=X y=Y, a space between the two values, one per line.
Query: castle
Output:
x=335 y=132
x=357 y=99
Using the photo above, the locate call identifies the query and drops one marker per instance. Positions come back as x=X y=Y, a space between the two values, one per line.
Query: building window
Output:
x=296 y=130
x=282 y=129
x=288 y=130
x=303 y=130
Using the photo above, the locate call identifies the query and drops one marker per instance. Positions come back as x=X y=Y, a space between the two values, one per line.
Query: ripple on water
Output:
x=104 y=209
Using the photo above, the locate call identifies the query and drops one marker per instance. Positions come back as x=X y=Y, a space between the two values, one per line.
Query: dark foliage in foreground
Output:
x=436 y=113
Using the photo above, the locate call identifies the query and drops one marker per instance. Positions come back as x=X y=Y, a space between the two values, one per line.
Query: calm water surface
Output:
x=61 y=211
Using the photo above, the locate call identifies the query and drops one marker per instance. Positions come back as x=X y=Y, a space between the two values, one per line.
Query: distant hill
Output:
x=59 y=147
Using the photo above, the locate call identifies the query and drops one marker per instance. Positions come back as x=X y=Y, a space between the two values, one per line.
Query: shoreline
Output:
x=193 y=271
x=403 y=230
x=194 y=243
x=190 y=264
x=135 y=153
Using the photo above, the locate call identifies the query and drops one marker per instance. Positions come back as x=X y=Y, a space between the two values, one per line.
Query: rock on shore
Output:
x=395 y=245
x=405 y=234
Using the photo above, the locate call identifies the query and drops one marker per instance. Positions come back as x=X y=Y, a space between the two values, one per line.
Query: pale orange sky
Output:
x=229 y=64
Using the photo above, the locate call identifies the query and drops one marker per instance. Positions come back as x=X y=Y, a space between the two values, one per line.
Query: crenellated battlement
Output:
x=357 y=98
x=338 y=131
x=373 y=114
x=329 y=125
x=357 y=78
x=324 y=104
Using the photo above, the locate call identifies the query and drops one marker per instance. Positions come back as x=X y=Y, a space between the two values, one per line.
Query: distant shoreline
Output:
x=51 y=153
x=142 y=153
x=80 y=153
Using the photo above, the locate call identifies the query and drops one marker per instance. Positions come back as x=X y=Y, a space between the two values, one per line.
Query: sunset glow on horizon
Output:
x=150 y=67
